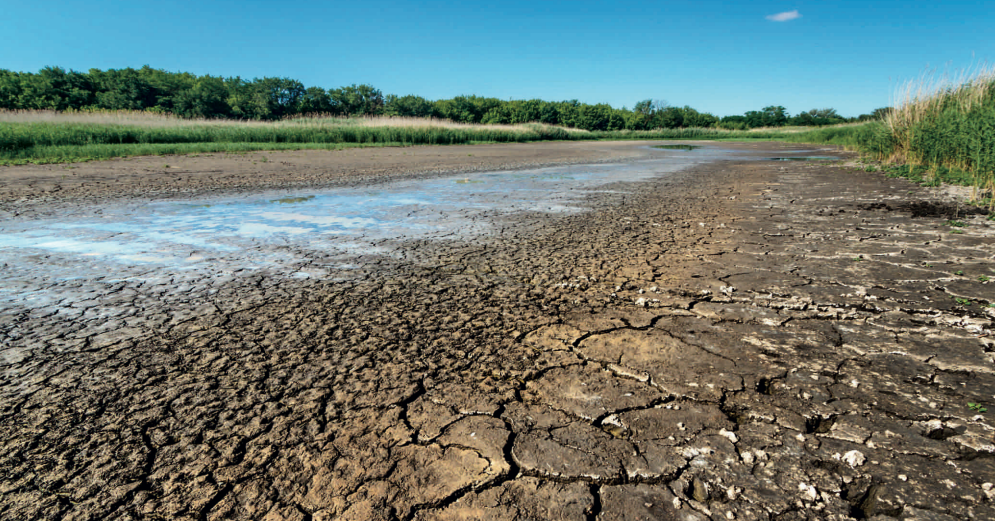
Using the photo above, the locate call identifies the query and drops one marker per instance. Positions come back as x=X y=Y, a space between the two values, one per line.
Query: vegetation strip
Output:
x=940 y=131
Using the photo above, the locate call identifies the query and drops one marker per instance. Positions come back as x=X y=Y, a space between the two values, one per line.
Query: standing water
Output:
x=285 y=230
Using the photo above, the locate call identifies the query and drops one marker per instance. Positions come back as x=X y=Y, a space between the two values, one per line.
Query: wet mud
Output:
x=739 y=340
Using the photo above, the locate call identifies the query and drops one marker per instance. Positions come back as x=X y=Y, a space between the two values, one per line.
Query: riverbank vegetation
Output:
x=947 y=125
x=54 y=137
x=270 y=99
x=940 y=130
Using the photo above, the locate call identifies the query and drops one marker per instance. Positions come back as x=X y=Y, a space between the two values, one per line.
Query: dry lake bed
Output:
x=584 y=331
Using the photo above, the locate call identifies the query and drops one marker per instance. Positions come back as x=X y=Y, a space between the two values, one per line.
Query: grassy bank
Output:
x=948 y=124
x=95 y=136
x=51 y=137
x=939 y=131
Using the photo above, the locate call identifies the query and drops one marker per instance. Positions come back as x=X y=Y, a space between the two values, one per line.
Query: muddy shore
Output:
x=29 y=186
x=741 y=340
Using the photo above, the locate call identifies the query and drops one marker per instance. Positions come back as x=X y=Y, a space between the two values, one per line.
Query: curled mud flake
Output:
x=809 y=492
x=853 y=458
x=614 y=426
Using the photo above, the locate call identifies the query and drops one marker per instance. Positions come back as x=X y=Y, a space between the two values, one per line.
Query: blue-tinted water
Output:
x=286 y=230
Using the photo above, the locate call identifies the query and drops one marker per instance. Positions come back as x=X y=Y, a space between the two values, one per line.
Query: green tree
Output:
x=670 y=117
x=692 y=118
x=408 y=106
x=461 y=109
x=497 y=116
x=525 y=111
x=775 y=116
x=569 y=113
x=123 y=89
x=357 y=100
x=206 y=98
x=315 y=101
x=772 y=116
x=282 y=96
x=549 y=114
x=244 y=100
x=68 y=90
x=10 y=89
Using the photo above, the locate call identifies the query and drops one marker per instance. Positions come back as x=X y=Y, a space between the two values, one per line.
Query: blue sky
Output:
x=724 y=58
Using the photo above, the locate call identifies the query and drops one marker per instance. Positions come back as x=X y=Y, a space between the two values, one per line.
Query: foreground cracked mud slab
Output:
x=739 y=341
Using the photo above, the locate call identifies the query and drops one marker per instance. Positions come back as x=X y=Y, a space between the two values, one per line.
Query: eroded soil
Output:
x=753 y=340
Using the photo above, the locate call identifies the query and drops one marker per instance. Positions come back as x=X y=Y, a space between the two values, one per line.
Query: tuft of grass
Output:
x=948 y=122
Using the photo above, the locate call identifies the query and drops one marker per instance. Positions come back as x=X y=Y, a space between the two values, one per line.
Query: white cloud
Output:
x=784 y=17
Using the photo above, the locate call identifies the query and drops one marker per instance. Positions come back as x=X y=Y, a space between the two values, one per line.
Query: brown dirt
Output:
x=752 y=340
x=163 y=176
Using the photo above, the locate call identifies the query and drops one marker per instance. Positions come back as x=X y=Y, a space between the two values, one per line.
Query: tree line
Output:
x=191 y=96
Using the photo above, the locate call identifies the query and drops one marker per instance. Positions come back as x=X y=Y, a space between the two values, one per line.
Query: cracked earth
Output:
x=741 y=340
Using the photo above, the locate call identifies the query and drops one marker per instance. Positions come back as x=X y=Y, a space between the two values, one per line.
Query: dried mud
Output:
x=36 y=189
x=743 y=340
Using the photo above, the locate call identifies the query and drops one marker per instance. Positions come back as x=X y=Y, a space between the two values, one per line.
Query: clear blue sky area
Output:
x=724 y=58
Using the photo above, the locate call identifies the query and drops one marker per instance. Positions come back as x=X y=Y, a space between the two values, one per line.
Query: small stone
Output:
x=699 y=491
x=729 y=435
x=854 y=458
x=989 y=490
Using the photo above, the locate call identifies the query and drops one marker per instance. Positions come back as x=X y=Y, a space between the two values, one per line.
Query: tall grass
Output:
x=59 y=137
x=870 y=138
x=48 y=136
x=948 y=122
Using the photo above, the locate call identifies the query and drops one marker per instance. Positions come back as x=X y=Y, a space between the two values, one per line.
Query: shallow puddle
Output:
x=677 y=147
x=288 y=231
